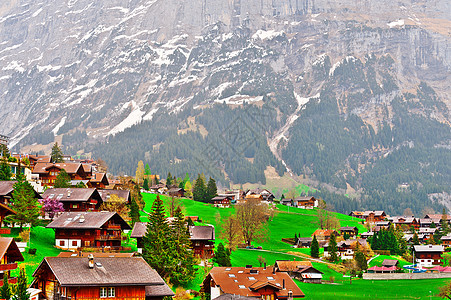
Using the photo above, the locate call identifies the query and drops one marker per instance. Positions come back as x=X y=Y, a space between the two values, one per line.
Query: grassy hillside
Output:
x=301 y=221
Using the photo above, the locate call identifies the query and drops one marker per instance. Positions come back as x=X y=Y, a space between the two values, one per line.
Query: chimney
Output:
x=290 y=295
x=274 y=270
x=82 y=219
x=248 y=266
x=283 y=283
x=91 y=261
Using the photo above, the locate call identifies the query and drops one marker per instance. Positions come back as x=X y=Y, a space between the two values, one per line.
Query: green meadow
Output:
x=290 y=221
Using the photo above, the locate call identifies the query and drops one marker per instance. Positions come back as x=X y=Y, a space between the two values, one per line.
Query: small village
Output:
x=145 y=237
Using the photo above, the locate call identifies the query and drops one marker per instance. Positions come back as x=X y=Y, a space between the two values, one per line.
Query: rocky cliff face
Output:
x=89 y=71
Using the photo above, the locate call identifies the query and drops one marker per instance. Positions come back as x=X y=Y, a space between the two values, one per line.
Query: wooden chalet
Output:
x=9 y=256
x=263 y=283
x=346 y=248
x=304 y=242
x=428 y=222
x=428 y=233
x=301 y=270
x=222 y=201
x=126 y=278
x=305 y=202
x=36 y=159
x=323 y=234
x=438 y=216
x=405 y=222
x=98 y=181
x=138 y=232
x=202 y=240
x=95 y=254
x=390 y=263
x=48 y=171
x=372 y=216
x=158 y=188
x=428 y=255
x=176 y=192
x=76 y=199
x=122 y=194
x=446 y=240
x=351 y=230
x=357 y=214
x=286 y=201
x=6 y=194
x=74 y=230
x=266 y=195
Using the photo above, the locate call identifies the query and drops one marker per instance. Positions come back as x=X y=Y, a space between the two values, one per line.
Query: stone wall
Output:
x=393 y=276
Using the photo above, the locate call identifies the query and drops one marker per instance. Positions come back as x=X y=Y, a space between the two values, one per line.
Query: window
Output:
x=74 y=243
x=103 y=292
x=270 y=278
x=74 y=205
x=62 y=243
x=87 y=243
x=242 y=286
x=251 y=278
x=111 y=292
x=231 y=275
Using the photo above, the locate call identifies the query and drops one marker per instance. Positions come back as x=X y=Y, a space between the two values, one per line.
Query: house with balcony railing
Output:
x=10 y=255
x=75 y=230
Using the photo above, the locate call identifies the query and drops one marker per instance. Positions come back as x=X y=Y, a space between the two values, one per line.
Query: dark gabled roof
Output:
x=6 y=187
x=139 y=230
x=390 y=262
x=8 y=246
x=202 y=232
x=302 y=199
x=221 y=198
x=70 y=168
x=125 y=194
x=90 y=220
x=95 y=254
x=99 y=177
x=117 y=271
x=260 y=284
x=348 y=228
x=428 y=248
x=159 y=291
x=308 y=269
x=72 y=194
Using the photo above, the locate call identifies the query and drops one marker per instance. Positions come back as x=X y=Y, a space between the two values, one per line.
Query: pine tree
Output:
x=199 y=189
x=62 y=180
x=147 y=170
x=20 y=290
x=314 y=248
x=5 y=170
x=184 y=270
x=146 y=184
x=361 y=260
x=5 y=289
x=24 y=203
x=158 y=244
x=134 y=212
x=332 y=248
x=4 y=151
x=212 y=190
x=57 y=154
x=169 y=180
x=222 y=256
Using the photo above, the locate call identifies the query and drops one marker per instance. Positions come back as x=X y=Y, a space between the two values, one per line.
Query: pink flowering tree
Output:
x=51 y=206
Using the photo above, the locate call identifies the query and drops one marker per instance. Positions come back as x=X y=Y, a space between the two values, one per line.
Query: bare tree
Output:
x=251 y=217
x=322 y=214
x=231 y=232
x=174 y=202
x=407 y=212
x=331 y=221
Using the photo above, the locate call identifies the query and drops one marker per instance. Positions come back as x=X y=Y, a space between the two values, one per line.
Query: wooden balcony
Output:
x=7 y=267
x=108 y=238
x=113 y=227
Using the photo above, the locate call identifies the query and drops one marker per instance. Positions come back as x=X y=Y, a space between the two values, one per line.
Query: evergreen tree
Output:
x=169 y=180
x=199 y=189
x=4 y=151
x=5 y=170
x=5 y=289
x=57 y=154
x=147 y=170
x=184 y=270
x=62 y=180
x=24 y=203
x=314 y=248
x=346 y=236
x=146 y=184
x=415 y=239
x=134 y=212
x=158 y=244
x=361 y=260
x=190 y=222
x=212 y=190
x=222 y=257
x=332 y=248
x=20 y=290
